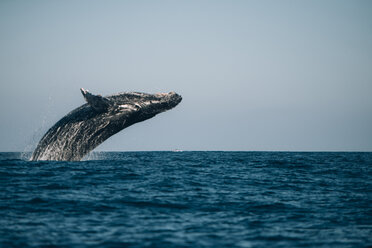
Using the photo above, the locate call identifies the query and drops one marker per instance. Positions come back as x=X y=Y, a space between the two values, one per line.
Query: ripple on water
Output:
x=187 y=199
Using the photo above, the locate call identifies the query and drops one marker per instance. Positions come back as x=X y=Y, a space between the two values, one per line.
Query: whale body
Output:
x=87 y=126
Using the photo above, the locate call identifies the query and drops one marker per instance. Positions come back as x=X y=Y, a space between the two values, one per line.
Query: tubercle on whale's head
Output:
x=170 y=100
x=141 y=105
x=152 y=104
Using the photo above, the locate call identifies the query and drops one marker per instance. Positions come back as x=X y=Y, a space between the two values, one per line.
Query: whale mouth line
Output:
x=87 y=126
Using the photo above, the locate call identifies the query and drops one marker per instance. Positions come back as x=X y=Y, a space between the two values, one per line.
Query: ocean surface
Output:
x=188 y=199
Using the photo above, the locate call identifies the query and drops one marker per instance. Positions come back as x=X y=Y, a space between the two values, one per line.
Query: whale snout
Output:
x=174 y=98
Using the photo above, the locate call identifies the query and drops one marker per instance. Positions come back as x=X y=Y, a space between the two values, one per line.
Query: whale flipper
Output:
x=97 y=102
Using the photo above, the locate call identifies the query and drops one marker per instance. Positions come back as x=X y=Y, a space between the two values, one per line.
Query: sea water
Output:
x=188 y=199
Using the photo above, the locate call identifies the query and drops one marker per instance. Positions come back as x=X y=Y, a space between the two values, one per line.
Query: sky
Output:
x=254 y=75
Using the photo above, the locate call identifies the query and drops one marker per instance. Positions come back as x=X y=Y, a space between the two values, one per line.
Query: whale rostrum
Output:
x=87 y=126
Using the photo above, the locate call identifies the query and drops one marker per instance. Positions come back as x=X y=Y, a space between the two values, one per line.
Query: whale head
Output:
x=127 y=106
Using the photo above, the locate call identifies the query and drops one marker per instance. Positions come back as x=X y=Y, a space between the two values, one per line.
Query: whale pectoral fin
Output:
x=97 y=102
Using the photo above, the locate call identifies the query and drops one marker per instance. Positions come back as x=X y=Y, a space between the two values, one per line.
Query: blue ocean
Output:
x=188 y=199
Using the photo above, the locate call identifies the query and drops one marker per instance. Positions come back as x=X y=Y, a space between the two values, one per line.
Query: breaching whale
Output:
x=87 y=126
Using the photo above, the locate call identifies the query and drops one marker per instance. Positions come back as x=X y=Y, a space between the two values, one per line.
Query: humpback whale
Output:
x=87 y=126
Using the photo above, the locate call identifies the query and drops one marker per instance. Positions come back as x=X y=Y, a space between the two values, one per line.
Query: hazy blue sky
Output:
x=254 y=75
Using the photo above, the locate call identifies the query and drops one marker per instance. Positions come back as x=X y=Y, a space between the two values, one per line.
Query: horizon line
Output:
x=181 y=150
